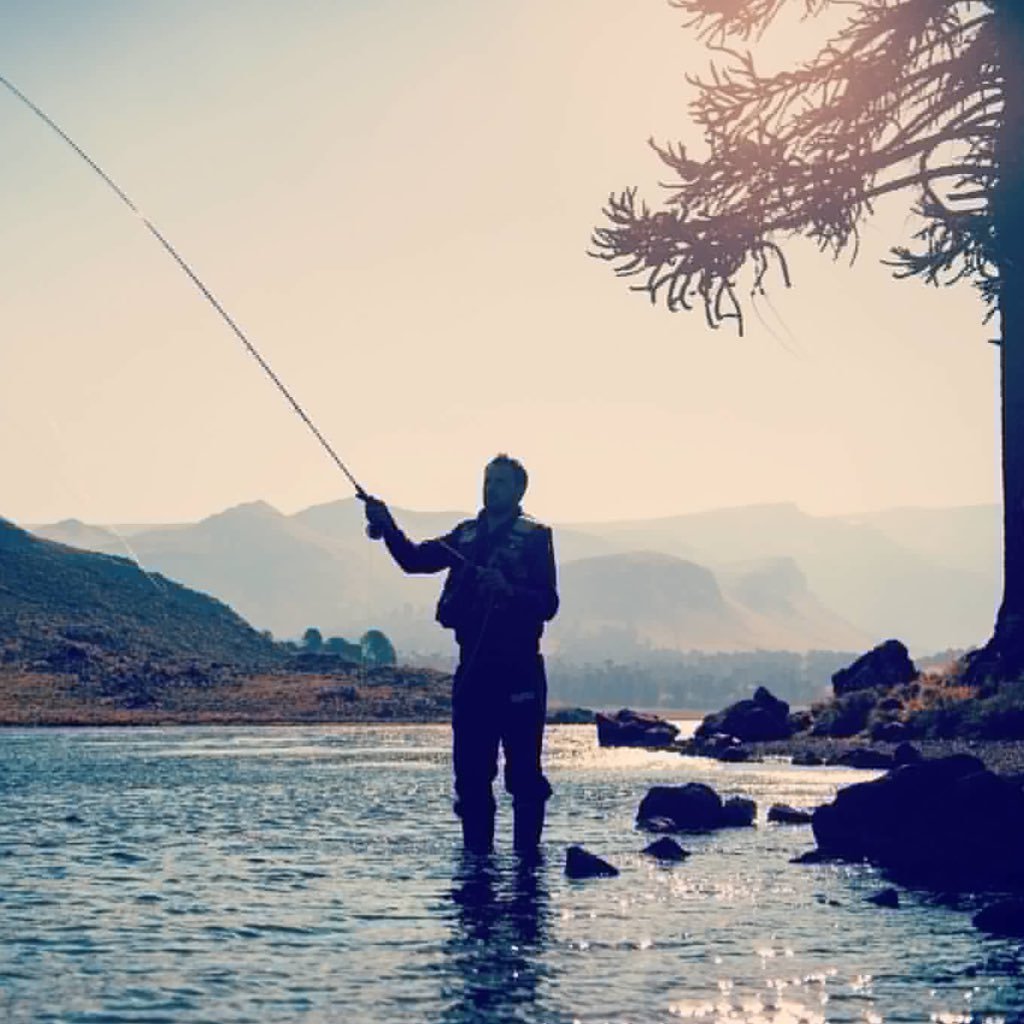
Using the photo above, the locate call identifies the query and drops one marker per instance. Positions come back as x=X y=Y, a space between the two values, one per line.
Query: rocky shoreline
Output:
x=1005 y=757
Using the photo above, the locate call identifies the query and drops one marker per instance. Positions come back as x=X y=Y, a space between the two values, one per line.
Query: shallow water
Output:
x=313 y=874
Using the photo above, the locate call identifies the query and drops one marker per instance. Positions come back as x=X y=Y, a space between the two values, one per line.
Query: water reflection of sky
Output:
x=313 y=874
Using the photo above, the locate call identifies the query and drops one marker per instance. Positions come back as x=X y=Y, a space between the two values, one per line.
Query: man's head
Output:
x=504 y=484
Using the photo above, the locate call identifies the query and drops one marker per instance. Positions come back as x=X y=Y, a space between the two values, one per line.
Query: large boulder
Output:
x=948 y=822
x=693 y=807
x=886 y=665
x=764 y=717
x=628 y=728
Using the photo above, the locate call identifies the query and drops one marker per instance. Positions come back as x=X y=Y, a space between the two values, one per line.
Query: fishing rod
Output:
x=361 y=494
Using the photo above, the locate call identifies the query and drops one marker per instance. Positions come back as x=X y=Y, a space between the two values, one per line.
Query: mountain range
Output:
x=767 y=577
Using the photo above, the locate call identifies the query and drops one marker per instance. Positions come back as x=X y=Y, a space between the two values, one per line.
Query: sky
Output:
x=394 y=200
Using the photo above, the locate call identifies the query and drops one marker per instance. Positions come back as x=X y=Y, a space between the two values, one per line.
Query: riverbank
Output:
x=270 y=698
x=1005 y=757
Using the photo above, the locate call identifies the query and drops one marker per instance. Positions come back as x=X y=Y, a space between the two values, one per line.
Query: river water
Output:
x=313 y=874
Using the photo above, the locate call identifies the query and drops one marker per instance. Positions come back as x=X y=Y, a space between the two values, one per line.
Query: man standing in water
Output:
x=499 y=592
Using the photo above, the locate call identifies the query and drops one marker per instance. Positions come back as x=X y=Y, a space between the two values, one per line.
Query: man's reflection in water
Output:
x=495 y=960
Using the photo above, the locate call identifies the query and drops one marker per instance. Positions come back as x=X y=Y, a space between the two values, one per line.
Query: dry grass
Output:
x=28 y=698
x=938 y=689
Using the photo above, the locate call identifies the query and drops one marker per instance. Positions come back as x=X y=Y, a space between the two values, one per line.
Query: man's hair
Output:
x=518 y=469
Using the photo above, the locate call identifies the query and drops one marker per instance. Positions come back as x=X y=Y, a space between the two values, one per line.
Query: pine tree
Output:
x=923 y=98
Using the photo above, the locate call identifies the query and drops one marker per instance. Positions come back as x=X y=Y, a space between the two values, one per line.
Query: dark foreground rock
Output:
x=764 y=717
x=580 y=863
x=886 y=665
x=1003 y=918
x=692 y=807
x=948 y=822
x=628 y=728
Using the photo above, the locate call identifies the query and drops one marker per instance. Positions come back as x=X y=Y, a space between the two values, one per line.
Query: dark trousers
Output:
x=498 y=701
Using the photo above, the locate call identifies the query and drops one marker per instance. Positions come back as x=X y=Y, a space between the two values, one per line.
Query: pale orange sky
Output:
x=394 y=200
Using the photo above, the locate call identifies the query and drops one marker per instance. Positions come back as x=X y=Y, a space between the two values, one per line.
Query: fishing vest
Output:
x=460 y=603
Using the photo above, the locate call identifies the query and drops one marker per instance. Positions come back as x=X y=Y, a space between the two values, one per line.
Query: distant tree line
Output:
x=373 y=647
x=695 y=680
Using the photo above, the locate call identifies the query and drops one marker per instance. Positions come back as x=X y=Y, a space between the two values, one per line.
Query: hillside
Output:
x=52 y=595
x=88 y=638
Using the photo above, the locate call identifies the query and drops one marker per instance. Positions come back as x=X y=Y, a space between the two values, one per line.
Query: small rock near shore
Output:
x=786 y=815
x=628 y=728
x=738 y=812
x=666 y=849
x=884 y=898
x=764 y=717
x=807 y=758
x=579 y=863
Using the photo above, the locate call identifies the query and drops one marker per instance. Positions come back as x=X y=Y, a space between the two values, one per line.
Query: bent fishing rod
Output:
x=194 y=278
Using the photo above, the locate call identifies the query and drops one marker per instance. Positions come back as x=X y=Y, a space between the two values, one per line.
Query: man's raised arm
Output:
x=429 y=556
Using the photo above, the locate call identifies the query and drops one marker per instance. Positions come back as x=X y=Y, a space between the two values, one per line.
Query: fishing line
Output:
x=194 y=278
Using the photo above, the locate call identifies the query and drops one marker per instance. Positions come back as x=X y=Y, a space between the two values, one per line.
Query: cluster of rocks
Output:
x=947 y=824
x=880 y=699
x=692 y=807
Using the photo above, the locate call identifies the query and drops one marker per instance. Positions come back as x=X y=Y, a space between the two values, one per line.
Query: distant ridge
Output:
x=789 y=580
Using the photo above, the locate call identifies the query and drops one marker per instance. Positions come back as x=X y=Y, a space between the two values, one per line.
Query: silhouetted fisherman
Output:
x=499 y=592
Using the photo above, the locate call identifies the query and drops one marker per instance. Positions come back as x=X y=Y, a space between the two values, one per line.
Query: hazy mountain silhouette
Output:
x=613 y=603
x=929 y=576
x=285 y=573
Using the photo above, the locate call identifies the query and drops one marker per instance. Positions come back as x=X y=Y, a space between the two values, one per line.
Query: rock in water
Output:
x=581 y=864
x=693 y=807
x=884 y=898
x=666 y=849
x=786 y=815
x=1003 y=918
x=633 y=729
x=886 y=665
x=738 y=812
x=765 y=717
x=947 y=822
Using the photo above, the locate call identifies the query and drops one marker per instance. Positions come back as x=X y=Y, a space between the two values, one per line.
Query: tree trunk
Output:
x=1003 y=656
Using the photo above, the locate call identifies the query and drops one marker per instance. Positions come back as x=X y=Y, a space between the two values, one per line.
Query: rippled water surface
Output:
x=314 y=874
